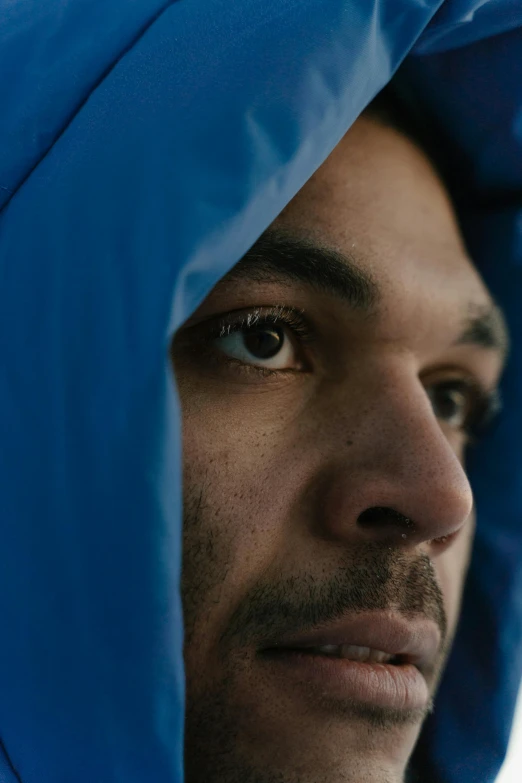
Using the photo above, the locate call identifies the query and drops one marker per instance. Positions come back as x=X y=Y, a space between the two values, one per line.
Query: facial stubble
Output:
x=370 y=577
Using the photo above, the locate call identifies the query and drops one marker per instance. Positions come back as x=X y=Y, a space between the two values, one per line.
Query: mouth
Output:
x=350 y=652
x=376 y=658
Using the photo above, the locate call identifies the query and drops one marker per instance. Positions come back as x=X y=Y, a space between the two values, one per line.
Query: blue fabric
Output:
x=144 y=146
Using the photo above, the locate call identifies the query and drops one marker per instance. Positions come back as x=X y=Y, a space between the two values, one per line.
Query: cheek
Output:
x=237 y=450
x=235 y=504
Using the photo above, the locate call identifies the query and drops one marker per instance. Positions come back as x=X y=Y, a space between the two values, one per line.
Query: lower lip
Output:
x=400 y=687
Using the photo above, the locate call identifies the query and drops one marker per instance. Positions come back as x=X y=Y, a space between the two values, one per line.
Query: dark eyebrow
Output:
x=486 y=327
x=276 y=257
x=279 y=257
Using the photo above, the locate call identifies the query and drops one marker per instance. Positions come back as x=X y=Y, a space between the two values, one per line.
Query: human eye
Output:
x=267 y=340
x=465 y=405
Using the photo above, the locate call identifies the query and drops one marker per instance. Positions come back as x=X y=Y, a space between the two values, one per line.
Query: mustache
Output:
x=373 y=577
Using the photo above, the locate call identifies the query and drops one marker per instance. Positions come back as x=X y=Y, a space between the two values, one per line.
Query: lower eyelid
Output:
x=247 y=369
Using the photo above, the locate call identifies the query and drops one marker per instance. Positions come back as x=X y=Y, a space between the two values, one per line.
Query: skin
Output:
x=279 y=468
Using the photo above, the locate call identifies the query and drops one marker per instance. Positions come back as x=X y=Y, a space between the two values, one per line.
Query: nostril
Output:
x=383 y=516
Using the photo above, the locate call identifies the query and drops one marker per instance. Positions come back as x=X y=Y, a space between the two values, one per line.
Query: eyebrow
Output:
x=281 y=258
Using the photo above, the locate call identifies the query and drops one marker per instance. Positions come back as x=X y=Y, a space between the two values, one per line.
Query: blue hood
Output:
x=144 y=147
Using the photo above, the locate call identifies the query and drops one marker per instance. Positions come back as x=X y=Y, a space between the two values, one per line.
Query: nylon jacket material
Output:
x=144 y=146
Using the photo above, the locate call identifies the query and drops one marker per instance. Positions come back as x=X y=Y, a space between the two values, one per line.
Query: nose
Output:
x=397 y=478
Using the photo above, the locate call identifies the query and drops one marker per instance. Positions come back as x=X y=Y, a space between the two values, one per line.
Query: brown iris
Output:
x=264 y=343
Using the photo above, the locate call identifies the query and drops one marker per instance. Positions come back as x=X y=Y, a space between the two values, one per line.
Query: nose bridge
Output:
x=397 y=457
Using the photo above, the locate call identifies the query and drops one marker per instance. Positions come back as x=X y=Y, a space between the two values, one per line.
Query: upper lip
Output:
x=416 y=639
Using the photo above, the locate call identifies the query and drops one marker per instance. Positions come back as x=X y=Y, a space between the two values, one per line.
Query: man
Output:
x=330 y=386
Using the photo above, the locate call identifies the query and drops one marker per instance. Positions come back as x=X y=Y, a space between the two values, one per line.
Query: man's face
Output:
x=327 y=387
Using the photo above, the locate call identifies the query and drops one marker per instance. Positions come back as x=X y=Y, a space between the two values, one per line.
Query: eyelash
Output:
x=290 y=317
x=484 y=407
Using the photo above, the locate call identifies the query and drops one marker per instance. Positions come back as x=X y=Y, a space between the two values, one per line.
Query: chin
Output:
x=259 y=735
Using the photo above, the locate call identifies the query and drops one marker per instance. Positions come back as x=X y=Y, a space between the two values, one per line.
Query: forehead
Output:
x=376 y=184
x=378 y=200
x=374 y=231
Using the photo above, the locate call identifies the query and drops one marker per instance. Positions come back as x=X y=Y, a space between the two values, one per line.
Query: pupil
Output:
x=447 y=405
x=264 y=343
x=452 y=405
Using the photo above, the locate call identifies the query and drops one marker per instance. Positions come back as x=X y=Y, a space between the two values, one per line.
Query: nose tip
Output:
x=397 y=507
x=405 y=483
